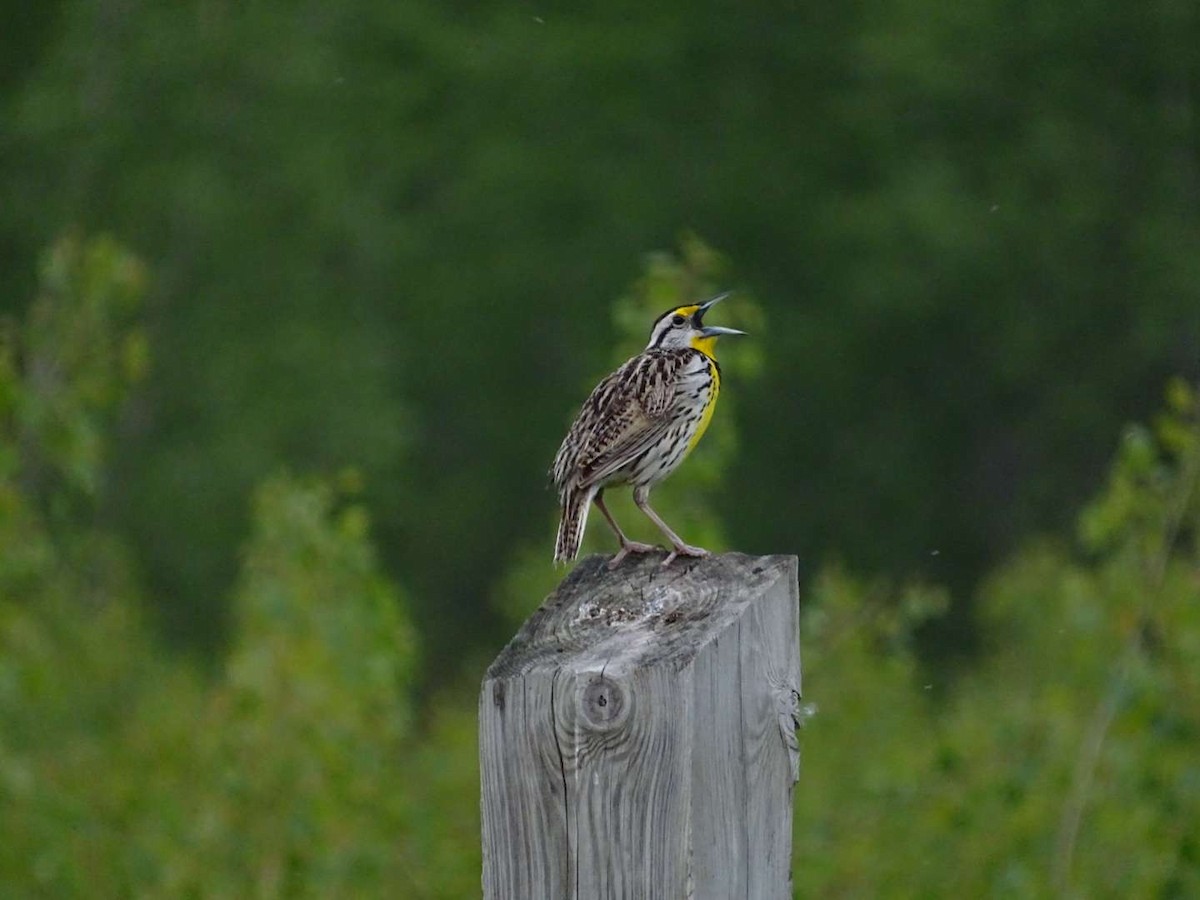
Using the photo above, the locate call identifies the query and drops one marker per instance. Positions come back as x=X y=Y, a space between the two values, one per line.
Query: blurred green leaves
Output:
x=79 y=354
x=380 y=233
x=302 y=734
x=1152 y=488
x=127 y=772
x=317 y=622
x=65 y=373
x=283 y=775
x=1061 y=762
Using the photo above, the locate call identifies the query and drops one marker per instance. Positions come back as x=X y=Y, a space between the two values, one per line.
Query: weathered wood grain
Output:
x=637 y=735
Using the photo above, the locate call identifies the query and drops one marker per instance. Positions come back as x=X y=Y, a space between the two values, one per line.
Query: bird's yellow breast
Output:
x=706 y=414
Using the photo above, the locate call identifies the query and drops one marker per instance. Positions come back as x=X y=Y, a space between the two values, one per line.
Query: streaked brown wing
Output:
x=639 y=433
x=626 y=413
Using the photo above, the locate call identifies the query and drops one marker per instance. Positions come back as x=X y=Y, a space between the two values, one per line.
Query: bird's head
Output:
x=684 y=326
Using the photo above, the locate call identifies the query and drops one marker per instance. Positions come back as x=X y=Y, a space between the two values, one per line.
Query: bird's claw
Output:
x=684 y=550
x=630 y=547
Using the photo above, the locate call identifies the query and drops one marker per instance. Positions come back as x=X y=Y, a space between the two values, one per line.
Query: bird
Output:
x=637 y=426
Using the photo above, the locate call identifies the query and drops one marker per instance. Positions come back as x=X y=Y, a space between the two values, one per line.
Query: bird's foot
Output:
x=630 y=547
x=684 y=550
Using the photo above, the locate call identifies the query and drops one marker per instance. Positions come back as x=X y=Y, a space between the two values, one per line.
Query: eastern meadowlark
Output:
x=637 y=426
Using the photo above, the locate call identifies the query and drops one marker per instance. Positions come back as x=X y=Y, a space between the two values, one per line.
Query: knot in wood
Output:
x=604 y=704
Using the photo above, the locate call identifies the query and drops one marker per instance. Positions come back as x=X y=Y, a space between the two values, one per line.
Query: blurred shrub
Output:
x=1064 y=764
x=298 y=742
x=124 y=772
x=383 y=230
x=68 y=371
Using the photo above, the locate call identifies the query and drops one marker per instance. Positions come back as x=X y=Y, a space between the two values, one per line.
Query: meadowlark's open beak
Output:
x=712 y=330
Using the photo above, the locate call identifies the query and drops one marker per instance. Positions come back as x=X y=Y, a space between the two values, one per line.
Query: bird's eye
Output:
x=677 y=320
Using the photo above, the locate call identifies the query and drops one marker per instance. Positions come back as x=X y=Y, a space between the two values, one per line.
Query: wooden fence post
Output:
x=637 y=737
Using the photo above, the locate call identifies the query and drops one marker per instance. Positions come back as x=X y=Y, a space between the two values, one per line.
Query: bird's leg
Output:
x=627 y=546
x=641 y=497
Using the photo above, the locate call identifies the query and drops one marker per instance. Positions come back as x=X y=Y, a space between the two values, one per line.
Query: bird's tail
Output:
x=575 y=506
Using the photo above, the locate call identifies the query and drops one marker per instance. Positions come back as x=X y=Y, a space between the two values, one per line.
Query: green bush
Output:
x=1064 y=763
x=1061 y=763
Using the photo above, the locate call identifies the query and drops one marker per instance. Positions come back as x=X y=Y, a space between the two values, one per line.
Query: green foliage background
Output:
x=272 y=456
